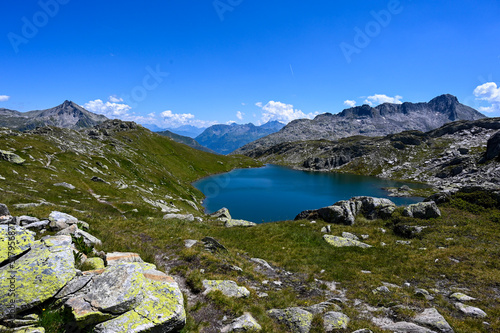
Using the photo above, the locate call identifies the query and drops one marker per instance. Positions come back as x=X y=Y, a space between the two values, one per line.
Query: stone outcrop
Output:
x=245 y=323
x=493 y=147
x=11 y=157
x=422 y=210
x=296 y=319
x=432 y=318
x=345 y=211
x=239 y=223
x=227 y=287
x=344 y=242
x=333 y=321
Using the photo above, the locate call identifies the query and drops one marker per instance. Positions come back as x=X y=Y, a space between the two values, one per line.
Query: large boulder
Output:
x=296 y=319
x=182 y=217
x=345 y=211
x=333 y=321
x=222 y=215
x=37 y=275
x=239 y=223
x=4 y=211
x=432 y=318
x=129 y=297
x=14 y=240
x=245 y=323
x=11 y=157
x=344 y=242
x=422 y=210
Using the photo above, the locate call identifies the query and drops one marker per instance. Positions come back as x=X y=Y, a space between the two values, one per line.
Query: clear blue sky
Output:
x=266 y=59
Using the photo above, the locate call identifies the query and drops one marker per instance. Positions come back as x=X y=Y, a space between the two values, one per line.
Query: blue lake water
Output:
x=275 y=193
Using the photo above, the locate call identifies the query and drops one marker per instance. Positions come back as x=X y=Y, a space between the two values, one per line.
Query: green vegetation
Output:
x=457 y=252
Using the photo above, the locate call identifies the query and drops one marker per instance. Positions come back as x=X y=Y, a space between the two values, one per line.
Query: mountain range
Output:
x=67 y=115
x=186 y=140
x=369 y=121
x=226 y=138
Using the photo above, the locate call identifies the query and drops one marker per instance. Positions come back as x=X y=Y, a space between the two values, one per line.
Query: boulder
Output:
x=116 y=258
x=470 y=310
x=89 y=239
x=349 y=235
x=222 y=215
x=422 y=210
x=189 y=243
x=245 y=323
x=4 y=210
x=25 y=219
x=345 y=211
x=11 y=157
x=37 y=225
x=461 y=297
x=335 y=321
x=296 y=319
x=65 y=185
x=212 y=245
x=343 y=242
x=14 y=240
x=432 y=318
x=407 y=231
x=239 y=223
x=183 y=217
x=39 y=274
x=493 y=147
x=405 y=327
x=227 y=287
x=129 y=297
x=439 y=198
x=60 y=221
x=91 y=264
x=262 y=262
x=71 y=230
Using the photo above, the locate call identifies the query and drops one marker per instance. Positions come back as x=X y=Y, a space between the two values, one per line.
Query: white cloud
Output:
x=240 y=115
x=282 y=112
x=488 y=92
x=109 y=109
x=350 y=103
x=4 y=98
x=115 y=99
x=381 y=99
x=176 y=118
x=258 y=104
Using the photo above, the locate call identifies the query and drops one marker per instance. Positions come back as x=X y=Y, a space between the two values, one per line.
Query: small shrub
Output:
x=81 y=245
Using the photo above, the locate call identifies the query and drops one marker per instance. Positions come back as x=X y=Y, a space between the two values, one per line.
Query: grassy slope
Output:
x=466 y=232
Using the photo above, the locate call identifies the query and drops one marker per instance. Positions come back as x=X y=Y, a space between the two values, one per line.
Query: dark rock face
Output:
x=423 y=210
x=368 y=121
x=493 y=147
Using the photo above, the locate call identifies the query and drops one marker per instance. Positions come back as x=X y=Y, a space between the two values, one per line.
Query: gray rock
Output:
x=71 y=230
x=405 y=327
x=117 y=258
x=189 y=243
x=245 y=323
x=322 y=307
x=424 y=294
x=222 y=214
x=24 y=219
x=40 y=274
x=212 y=245
x=227 y=287
x=349 y=235
x=363 y=330
x=88 y=238
x=431 y=317
x=183 y=217
x=239 y=223
x=334 y=321
x=343 y=242
x=327 y=229
x=65 y=185
x=493 y=147
x=461 y=297
x=423 y=210
x=4 y=211
x=381 y=290
x=11 y=157
x=74 y=285
x=297 y=319
x=470 y=310
x=262 y=262
x=37 y=225
x=57 y=217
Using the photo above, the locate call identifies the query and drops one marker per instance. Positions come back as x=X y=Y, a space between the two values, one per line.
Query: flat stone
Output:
x=334 y=321
x=262 y=262
x=245 y=323
x=189 y=243
x=349 y=235
x=431 y=317
x=25 y=219
x=343 y=242
x=116 y=258
x=65 y=185
x=405 y=327
x=37 y=225
x=62 y=217
x=183 y=217
x=461 y=297
x=227 y=287
x=239 y=223
x=71 y=230
x=11 y=157
x=471 y=310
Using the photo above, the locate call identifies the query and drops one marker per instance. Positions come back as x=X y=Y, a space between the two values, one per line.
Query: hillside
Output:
x=226 y=138
x=185 y=140
x=66 y=115
x=368 y=121
x=434 y=273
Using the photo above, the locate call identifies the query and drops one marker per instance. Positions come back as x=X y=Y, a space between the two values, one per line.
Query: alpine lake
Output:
x=276 y=193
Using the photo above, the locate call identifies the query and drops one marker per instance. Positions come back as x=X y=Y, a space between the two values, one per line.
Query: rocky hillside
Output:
x=66 y=115
x=368 y=121
x=185 y=140
x=226 y=138
x=458 y=153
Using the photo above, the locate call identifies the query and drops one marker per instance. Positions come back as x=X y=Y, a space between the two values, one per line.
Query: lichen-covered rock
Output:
x=92 y=264
x=71 y=230
x=470 y=310
x=321 y=307
x=239 y=223
x=461 y=297
x=431 y=317
x=62 y=217
x=116 y=258
x=14 y=240
x=226 y=287
x=405 y=327
x=422 y=210
x=182 y=217
x=334 y=321
x=11 y=157
x=343 y=242
x=39 y=274
x=89 y=239
x=222 y=215
x=297 y=319
x=245 y=323
x=345 y=211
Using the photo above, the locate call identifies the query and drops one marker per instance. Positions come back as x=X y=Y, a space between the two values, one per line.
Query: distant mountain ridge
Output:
x=67 y=115
x=185 y=140
x=187 y=130
x=370 y=121
x=226 y=138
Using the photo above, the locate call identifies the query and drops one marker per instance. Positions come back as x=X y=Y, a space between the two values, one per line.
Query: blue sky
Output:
x=198 y=62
